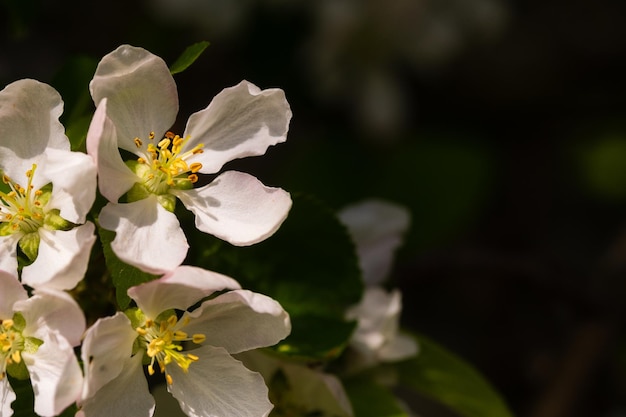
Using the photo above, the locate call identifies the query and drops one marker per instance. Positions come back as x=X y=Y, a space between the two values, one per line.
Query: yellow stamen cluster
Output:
x=21 y=208
x=167 y=162
x=11 y=345
x=164 y=344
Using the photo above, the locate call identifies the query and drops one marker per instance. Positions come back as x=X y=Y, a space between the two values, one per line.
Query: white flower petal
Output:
x=114 y=177
x=179 y=289
x=105 y=350
x=377 y=315
x=29 y=117
x=240 y=320
x=73 y=177
x=126 y=395
x=218 y=385
x=376 y=227
x=147 y=236
x=402 y=346
x=62 y=259
x=237 y=208
x=8 y=253
x=7 y=396
x=141 y=93
x=240 y=121
x=51 y=309
x=12 y=292
x=54 y=372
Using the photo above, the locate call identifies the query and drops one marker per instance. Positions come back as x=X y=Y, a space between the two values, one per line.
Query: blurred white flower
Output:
x=377 y=228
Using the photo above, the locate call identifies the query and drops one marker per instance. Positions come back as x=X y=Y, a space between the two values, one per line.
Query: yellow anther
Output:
x=198 y=338
x=192 y=357
x=6 y=179
x=29 y=173
x=151 y=135
x=164 y=144
x=38 y=193
x=141 y=331
x=169 y=379
x=138 y=142
x=193 y=178
x=195 y=167
x=172 y=319
x=151 y=369
x=149 y=323
x=169 y=135
x=178 y=140
x=16 y=356
x=141 y=160
x=180 y=335
x=7 y=324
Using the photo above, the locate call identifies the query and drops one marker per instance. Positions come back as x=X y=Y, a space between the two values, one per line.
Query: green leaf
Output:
x=123 y=275
x=444 y=377
x=370 y=399
x=315 y=337
x=309 y=266
x=72 y=82
x=188 y=57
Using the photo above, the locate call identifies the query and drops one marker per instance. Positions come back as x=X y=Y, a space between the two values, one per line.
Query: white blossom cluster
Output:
x=188 y=322
x=46 y=196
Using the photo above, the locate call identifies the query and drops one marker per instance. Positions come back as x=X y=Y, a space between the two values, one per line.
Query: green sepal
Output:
x=184 y=184
x=6 y=229
x=136 y=317
x=19 y=323
x=46 y=193
x=53 y=221
x=167 y=201
x=29 y=244
x=31 y=344
x=18 y=370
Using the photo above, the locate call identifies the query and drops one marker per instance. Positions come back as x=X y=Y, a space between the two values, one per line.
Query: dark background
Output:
x=499 y=124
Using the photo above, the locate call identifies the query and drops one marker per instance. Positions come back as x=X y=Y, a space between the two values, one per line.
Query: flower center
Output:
x=164 y=344
x=11 y=346
x=164 y=165
x=21 y=209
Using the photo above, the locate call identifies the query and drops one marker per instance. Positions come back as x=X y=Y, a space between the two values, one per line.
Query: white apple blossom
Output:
x=378 y=337
x=46 y=190
x=38 y=334
x=192 y=348
x=137 y=103
x=376 y=227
